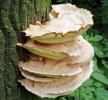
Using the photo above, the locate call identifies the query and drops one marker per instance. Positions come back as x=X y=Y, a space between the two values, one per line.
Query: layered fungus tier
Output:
x=60 y=59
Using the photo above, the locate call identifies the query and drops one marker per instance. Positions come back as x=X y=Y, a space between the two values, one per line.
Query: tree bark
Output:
x=15 y=16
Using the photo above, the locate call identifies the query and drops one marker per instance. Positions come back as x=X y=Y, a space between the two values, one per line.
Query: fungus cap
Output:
x=60 y=87
x=70 y=19
x=73 y=50
x=51 y=68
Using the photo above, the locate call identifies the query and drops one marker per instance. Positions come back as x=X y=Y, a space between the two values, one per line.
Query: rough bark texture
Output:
x=16 y=15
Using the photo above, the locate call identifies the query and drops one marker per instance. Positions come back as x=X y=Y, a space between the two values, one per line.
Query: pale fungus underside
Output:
x=60 y=58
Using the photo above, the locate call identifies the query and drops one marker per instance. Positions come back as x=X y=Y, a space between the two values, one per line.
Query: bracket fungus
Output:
x=60 y=58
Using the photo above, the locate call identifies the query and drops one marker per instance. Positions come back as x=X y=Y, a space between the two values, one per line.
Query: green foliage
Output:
x=105 y=11
x=100 y=77
x=101 y=94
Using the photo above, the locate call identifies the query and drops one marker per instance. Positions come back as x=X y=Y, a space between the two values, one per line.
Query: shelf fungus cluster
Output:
x=60 y=58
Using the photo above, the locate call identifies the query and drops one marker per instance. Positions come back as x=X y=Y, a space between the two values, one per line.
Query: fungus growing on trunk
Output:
x=60 y=58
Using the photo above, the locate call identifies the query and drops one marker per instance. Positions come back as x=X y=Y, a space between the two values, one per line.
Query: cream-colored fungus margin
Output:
x=59 y=87
x=70 y=19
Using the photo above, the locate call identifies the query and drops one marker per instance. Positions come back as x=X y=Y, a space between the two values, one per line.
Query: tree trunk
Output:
x=15 y=16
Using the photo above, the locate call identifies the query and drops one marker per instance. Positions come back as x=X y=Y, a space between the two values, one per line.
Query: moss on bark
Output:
x=11 y=23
